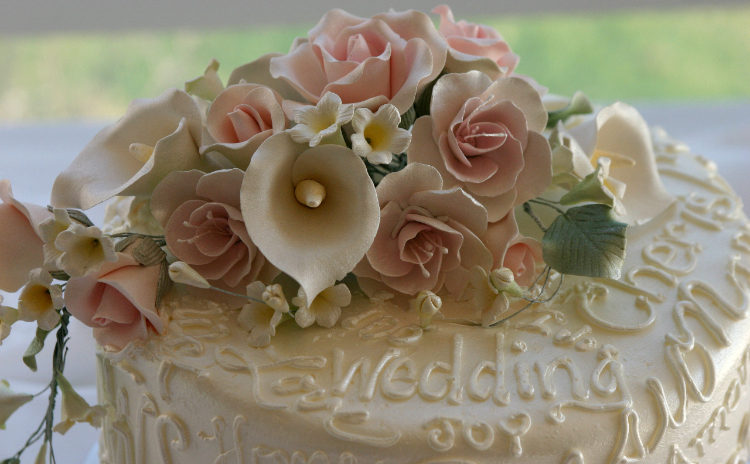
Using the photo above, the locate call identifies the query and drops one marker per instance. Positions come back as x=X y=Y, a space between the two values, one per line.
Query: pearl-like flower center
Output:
x=310 y=193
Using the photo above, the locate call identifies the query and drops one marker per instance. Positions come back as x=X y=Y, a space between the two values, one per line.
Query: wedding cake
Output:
x=386 y=246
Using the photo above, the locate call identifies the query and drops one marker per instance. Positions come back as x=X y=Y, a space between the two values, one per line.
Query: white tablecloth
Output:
x=32 y=154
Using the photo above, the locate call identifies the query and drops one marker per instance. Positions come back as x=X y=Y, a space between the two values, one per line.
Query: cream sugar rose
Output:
x=386 y=246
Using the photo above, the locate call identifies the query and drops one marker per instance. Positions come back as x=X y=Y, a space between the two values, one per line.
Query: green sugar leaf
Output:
x=586 y=241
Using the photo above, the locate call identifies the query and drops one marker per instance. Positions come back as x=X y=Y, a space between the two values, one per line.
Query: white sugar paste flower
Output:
x=618 y=132
x=180 y=272
x=8 y=317
x=155 y=137
x=315 y=239
x=490 y=293
x=49 y=229
x=325 y=308
x=321 y=123
x=40 y=300
x=10 y=401
x=427 y=304
x=261 y=319
x=84 y=250
x=131 y=214
x=75 y=408
x=377 y=136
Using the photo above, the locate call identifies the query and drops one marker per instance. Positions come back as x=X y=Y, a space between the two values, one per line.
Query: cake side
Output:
x=650 y=368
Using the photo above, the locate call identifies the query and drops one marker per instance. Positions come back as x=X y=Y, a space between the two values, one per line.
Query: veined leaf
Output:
x=586 y=241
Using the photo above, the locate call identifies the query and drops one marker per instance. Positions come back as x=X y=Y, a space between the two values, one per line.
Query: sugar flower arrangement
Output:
x=384 y=153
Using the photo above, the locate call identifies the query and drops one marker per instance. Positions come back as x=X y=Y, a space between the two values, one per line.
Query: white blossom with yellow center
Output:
x=84 y=250
x=75 y=409
x=8 y=317
x=325 y=308
x=377 y=136
x=261 y=319
x=40 y=300
x=321 y=123
x=49 y=229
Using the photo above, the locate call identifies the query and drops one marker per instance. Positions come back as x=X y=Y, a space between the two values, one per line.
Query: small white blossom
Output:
x=427 y=304
x=490 y=293
x=75 y=408
x=10 y=401
x=181 y=273
x=84 y=250
x=325 y=309
x=40 y=300
x=321 y=123
x=8 y=317
x=261 y=319
x=377 y=136
x=49 y=229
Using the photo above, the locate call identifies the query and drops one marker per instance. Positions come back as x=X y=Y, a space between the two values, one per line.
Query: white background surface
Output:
x=31 y=155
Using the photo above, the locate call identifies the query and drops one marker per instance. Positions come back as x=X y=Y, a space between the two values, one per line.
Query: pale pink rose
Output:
x=522 y=256
x=21 y=248
x=241 y=118
x=118 y=301
x=203 y=226
x=428 y=237
x=485 y=137
x=366 y=62
x=475 y=46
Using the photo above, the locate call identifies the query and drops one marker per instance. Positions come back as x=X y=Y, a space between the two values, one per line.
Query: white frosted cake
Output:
x=388 y=247
x=651 y=368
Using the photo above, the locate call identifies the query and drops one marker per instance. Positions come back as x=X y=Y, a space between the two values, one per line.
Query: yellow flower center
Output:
x=37 y=298
x=377 y=136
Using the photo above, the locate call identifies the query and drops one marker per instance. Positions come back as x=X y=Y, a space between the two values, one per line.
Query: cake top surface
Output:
x=384 y=156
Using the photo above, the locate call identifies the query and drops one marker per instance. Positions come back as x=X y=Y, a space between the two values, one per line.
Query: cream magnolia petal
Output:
x=450 y=94
x=314 y=246
x=258 y=72
x=524 y=96
x=622 y=130
x=170 y=124
x=536 y=175
x=399 y=186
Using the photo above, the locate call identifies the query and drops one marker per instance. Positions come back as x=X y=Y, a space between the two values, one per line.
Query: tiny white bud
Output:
x=427 y=305
x=182 y=273
x=503 y=280
x=274 y=297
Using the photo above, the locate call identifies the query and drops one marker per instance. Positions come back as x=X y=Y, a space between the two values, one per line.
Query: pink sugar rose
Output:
x=522 y=256
x=118 y=301
x=241 y=118
x=366 y=62
x=475 y=47
x=203 y=226
x=21 y=248
x=485 y=137
x=428 y=237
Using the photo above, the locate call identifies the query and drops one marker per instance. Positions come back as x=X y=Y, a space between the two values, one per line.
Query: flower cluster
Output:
x=385 y=151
